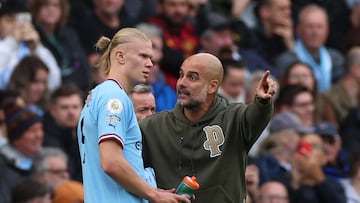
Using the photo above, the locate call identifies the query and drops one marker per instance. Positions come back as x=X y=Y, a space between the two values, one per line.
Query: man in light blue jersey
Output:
x=109 y=136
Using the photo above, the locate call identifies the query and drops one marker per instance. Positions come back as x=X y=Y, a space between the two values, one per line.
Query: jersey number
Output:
x=82 y=131
x=82 y=136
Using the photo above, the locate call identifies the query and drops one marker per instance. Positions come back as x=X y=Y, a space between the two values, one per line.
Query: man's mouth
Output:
x=146 y=74
x=183 y=92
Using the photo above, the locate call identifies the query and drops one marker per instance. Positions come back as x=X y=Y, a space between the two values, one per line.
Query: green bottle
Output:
x=188 y=187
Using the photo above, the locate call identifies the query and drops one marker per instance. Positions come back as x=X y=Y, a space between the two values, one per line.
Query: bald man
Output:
x=203 y=136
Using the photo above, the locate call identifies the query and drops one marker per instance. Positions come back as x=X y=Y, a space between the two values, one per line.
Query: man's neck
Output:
x=314 y=52
x=110 y=20
x=196 y=113
x=123 y=82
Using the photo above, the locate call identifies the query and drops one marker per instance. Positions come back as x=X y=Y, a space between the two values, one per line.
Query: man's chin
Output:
x=142 y=81
x=188 y=105
x=181 y=102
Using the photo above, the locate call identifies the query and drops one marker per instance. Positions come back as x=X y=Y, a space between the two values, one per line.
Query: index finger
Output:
x=265 y=77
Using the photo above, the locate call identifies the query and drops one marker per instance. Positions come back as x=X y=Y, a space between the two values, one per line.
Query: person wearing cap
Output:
x=307 y=181
x=288 y=120
x=25 y=138
x=277 y=150
x=18 y=38
x=337 y=158
x=7 y=97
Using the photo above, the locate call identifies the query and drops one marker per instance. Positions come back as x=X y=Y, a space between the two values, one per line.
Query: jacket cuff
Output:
x=262 y=100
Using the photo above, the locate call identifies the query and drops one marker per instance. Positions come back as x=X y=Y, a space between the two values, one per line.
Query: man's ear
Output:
x=120 y=56
x=214 y=85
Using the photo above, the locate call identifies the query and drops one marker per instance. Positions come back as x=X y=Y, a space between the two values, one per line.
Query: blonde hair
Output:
x=105 y=45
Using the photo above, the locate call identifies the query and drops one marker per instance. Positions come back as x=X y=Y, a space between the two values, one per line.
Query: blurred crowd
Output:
x=307 y=153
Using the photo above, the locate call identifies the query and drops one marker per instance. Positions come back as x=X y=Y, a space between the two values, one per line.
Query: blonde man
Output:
x=108 y=132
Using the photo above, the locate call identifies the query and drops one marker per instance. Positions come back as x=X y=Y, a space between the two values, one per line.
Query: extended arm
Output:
x=118 y=168
x=259 y=112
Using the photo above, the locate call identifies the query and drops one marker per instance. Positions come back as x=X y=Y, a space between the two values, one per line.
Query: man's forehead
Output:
x=191 y=69
x=140 y=42
x=142 y=46
x=192 y=64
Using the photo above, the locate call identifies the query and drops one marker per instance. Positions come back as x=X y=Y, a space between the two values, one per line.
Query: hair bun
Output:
x=103 y=43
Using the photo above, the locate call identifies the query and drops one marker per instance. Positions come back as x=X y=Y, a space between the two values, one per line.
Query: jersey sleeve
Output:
x=112 y=115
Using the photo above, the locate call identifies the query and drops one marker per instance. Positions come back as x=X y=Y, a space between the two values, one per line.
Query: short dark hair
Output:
x=264 y=2
x=28 y=189
x=65 y=90
x=229 y=63
x=288 y=93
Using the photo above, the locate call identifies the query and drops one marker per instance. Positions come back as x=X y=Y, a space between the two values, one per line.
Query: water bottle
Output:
x=188 y=187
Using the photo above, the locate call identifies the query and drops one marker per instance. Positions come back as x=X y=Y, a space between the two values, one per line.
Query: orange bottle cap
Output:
x=191 y=182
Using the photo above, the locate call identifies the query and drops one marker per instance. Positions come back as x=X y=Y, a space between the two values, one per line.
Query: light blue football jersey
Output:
x=108 y=114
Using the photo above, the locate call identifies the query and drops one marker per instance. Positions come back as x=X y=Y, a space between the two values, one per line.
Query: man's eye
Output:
x=144 y=55
x=142 y=110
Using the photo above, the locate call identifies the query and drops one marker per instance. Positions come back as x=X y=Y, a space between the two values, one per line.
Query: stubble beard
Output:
x=194 y=103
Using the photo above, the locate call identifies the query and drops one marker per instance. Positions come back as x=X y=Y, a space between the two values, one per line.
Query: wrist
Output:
x=262 y=100
x=151 y=195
